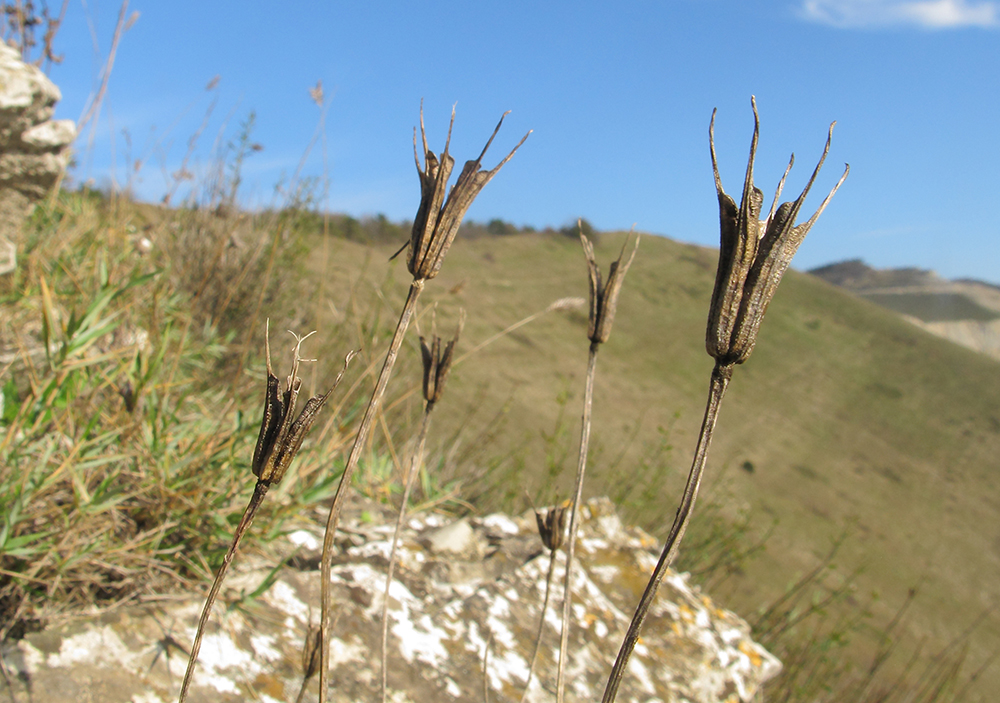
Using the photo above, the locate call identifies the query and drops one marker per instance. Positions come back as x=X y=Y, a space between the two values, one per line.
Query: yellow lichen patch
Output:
x=755 y=659
x=267 y=684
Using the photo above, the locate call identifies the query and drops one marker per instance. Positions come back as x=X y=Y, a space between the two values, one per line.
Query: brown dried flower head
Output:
x=437 y=363
x=604 y=297
x=438 y=218
x=754 y=253
x=552 y=524
x=280 y=435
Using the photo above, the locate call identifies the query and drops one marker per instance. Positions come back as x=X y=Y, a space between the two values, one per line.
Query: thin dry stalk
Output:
x=97 y=100
x=280 y=438
x=486 y=669
x=603 y=305
x=581 y=468
x=753 y=256
x=418 y=456
x=259 y=491
x=434 y=230
x=437 y=364
x=310 y=659
x=345 y=480
x=552 y=529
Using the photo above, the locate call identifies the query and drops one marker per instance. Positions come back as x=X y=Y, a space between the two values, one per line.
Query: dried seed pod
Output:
x=552 y=524
x=437 y=364
x=604 y=297
x=438 y=218
x=280 y=435
x=754 y=254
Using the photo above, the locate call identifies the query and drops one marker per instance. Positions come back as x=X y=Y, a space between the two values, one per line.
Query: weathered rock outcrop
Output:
x=964 y=311
x=460 y=586
x=34 y=148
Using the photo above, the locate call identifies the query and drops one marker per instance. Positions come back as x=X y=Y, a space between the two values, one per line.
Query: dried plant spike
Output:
x=438 y=218
x=777 y=247
x=552 y=525
x=604 y=298
x=738 y=246
x=279 y=440
x=437 y=364
x=603 y=301
x=280 y=435
x=272 y=414
x=753 y=256
x=753 y=253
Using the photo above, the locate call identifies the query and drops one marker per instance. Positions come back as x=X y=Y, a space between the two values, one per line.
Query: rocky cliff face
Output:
x=34 y=148
x=464 y=588
x=964 y=311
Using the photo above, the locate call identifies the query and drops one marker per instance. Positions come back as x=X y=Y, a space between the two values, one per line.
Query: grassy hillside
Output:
x=846 y=420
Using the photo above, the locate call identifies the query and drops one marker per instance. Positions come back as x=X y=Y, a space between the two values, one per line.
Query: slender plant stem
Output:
x=541 y=622
x=259 y=491
x=720 y=381
x=574 y=520
x=302 y=691
x=486 y=669
x=345 y=480
x=415 y=462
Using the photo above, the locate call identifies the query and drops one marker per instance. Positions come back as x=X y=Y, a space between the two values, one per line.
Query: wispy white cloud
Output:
x=926 y=14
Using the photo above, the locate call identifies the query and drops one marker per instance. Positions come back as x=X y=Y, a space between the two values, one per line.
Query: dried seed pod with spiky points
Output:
x=754 y=253
x=438 y=218
x=604 y=298
x=280 y=436
x=437 y=364
x=552 y=524
x=753 y=256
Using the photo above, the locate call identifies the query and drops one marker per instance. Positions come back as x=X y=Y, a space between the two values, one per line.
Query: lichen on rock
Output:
x=445 y=608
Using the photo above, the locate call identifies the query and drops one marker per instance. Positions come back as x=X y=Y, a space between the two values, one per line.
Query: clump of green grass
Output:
x=122 y=449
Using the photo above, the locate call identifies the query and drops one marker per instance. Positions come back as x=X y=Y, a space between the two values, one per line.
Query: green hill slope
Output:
x=844 y=417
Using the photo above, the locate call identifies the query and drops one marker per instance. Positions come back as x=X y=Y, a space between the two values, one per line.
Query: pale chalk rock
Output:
x=691 y=650
x=34 y=149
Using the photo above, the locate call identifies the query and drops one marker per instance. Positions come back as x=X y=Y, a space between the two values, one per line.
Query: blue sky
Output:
x=619 y=99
